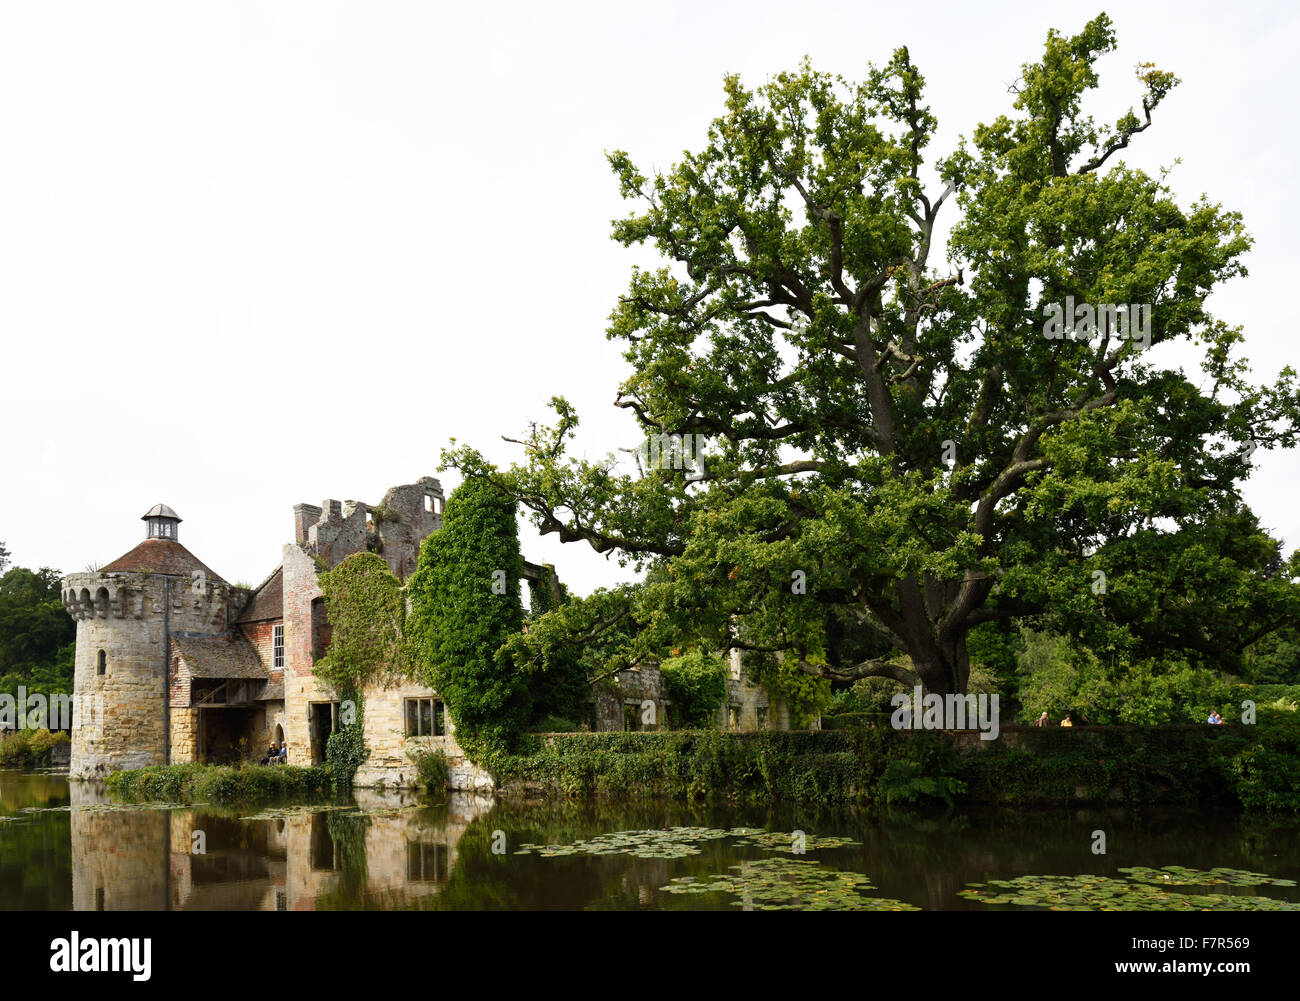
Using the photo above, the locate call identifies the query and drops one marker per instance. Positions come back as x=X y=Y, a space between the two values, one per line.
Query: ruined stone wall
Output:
x=748 y=706
x=394 y=528
x=406 y=516
x=634 y=689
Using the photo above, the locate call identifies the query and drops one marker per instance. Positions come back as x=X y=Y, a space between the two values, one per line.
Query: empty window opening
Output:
x=101 y=665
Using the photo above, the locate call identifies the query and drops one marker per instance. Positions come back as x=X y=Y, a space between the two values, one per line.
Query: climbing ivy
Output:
x=697 y=684
x=346 y=748
x=465 y=604
x=366 y=608
x=804 y=695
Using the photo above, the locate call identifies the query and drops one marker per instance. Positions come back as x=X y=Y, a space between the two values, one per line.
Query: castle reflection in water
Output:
x=392 y=852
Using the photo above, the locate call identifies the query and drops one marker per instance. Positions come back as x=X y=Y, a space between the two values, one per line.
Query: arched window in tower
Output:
x=102 y=664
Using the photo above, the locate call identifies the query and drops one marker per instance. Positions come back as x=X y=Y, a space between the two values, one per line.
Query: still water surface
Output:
x=70 y=846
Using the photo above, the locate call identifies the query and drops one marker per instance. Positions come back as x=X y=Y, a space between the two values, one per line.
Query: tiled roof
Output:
x=219 y=657
x=162 y=556
x=267 y=602
x=273 y=692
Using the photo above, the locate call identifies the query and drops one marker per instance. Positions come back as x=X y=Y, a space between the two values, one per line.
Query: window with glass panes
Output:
x=425 y=718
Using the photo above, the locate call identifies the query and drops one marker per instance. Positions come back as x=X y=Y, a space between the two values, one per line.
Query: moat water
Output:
x=70 y=846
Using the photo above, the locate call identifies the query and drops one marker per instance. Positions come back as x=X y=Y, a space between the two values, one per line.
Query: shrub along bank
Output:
x=195 y=783
x=29 y=748
x=1255 y=766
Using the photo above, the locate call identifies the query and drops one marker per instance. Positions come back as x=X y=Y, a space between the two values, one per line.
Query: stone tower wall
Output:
x=119 y=716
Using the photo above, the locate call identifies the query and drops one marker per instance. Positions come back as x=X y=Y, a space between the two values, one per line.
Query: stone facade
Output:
x=639 y=701
x=748 y=706
x=170 y=669
x=635 y=702
x=175 y=665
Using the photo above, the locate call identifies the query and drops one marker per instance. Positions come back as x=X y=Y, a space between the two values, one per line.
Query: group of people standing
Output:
x=1043 y=720
x=1214 y=720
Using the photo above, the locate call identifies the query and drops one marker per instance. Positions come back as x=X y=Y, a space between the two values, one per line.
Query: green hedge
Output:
x=849 y=720
x=219 y=783
x=691 y=764
x=1255 y=766
x=1130 y=765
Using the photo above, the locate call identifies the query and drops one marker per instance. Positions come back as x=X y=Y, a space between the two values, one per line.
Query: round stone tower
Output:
x=126 y=613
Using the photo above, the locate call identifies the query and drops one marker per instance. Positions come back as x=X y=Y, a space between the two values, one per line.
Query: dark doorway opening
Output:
x=324 y=721
x=225 y=735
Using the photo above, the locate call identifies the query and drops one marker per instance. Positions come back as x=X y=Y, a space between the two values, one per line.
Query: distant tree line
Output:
x=36 y=634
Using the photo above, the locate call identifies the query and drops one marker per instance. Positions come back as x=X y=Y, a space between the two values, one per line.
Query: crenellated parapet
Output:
x=197 y=603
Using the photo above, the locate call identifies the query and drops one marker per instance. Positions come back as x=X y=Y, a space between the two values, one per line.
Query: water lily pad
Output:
x=679 y=842
x=1178 y=875
x=781 y=884
x=284 y=812
x=1103 y=893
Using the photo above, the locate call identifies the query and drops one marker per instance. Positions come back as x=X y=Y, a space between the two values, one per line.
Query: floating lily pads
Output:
x=284 y=812
x=1177 y=875
x=781 y=884
x=779 y=841
x=679 y=842
x=1105 y=893
x=674 y=842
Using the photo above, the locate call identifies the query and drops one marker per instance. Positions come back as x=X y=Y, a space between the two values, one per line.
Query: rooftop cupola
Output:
x=162 y=522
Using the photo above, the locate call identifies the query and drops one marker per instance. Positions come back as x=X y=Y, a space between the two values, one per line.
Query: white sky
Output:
x=253 y=254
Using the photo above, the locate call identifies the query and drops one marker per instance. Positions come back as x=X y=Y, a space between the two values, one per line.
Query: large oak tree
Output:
x=898 y=451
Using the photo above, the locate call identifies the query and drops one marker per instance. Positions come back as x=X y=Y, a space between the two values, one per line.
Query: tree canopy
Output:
x=36 y=635
x=902 y=447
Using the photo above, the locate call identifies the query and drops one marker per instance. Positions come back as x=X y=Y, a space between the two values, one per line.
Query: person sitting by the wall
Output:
x=283 y=756
x=271 y=752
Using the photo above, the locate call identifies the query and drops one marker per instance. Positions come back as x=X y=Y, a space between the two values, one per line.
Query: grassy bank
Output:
x=1253 y=766
x=29 y=748
x=195 y=783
